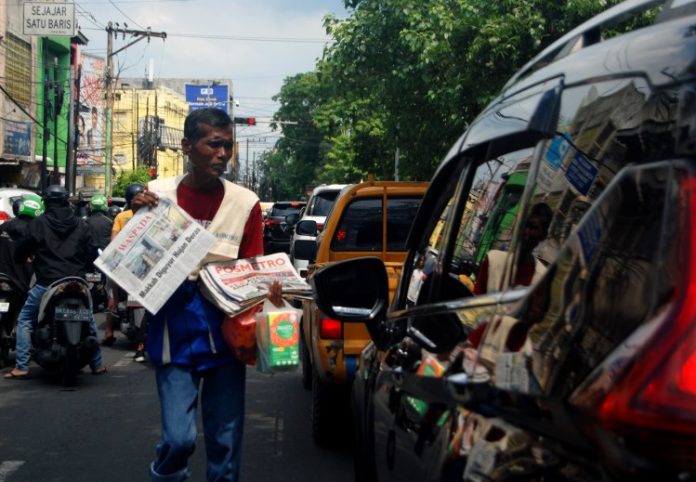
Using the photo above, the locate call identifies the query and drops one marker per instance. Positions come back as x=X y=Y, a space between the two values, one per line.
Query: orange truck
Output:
x=368 y=219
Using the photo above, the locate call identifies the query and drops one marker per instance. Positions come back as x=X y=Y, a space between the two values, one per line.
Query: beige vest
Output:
x=228 y=224
x=500 y=264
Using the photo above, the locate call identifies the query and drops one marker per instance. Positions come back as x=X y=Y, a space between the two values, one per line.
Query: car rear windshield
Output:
x=321 y=203
x=283 y=209
x=361 y=226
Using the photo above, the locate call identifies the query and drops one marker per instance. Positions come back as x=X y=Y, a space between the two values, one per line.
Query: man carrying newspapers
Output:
x=184 y=339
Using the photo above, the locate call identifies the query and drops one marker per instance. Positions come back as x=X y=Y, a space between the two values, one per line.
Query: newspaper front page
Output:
x=155 y=252
x=234 y=286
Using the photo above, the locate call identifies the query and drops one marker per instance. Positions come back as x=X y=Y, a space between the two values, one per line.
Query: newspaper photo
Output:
x=234 y=286
x=155 y=252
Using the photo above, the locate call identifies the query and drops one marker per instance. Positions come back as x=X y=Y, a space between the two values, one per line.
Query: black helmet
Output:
x=113 y=211
x=132 y=190
x=15 y=206
x=55 y=194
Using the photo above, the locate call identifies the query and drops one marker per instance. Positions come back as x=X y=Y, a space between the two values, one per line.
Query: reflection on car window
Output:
x=609 y=252
x=587 y=152
x=481 y=253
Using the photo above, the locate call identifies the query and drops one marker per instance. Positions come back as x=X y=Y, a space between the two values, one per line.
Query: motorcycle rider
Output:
x=98 y=221
x=62 y=245
x=27 y=208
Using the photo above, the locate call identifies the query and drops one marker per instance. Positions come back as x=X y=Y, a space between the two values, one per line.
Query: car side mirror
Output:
x=307 y=227
x=353 y=290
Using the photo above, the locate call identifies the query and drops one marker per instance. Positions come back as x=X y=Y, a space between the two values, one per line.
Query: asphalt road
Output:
x=105 y=429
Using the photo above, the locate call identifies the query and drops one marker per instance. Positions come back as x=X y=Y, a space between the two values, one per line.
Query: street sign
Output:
x=49 y=19
x=200 y=96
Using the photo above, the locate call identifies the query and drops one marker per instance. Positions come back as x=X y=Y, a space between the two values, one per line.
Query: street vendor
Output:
x=184 y=339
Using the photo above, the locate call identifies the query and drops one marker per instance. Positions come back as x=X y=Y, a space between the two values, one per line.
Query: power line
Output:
x=247 y=39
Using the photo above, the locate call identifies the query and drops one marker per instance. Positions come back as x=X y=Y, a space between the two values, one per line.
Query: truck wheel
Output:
x=324 y=413
x=306 y=365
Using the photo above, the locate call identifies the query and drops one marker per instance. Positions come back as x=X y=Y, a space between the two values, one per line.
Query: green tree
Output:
x=125 y=178
x=406 y=74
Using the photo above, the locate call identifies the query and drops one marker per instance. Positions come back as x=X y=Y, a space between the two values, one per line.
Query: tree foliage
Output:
x=126 y=178
x=406 y=74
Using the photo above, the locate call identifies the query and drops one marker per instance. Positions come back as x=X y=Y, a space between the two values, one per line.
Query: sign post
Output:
x=49 y=19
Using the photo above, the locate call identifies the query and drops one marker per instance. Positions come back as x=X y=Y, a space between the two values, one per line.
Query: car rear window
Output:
x=321 y=203
x=360 y=228
x=283 y=209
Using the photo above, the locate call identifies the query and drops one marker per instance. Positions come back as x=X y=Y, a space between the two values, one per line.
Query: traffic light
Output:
x=249 y=121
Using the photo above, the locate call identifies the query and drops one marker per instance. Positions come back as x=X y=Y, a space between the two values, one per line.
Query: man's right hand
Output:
x=145 y=198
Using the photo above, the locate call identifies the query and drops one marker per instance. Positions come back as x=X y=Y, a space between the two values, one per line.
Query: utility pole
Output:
x=111 y=33
x=246 y=168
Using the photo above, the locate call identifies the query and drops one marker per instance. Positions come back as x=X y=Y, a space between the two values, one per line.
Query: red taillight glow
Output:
x=341 y=235
x=330 y=328
x=687 y=376
x=659 y=390
x=4 y=216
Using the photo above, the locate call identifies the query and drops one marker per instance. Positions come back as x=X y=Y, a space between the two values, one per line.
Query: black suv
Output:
x=544 y=326
x=277 y=231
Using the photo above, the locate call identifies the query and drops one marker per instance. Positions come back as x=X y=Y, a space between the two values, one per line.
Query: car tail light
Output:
x=651 y=398
x=4 y=216
x=659 y=390
x=330 y=328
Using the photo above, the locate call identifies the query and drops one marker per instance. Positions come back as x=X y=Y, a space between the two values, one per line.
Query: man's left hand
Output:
x=275 y=294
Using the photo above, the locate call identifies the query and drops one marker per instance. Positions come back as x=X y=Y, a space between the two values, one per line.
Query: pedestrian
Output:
x=61 y=245
x=184 y=339
x=496 y=264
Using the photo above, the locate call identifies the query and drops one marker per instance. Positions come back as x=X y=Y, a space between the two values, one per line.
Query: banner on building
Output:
x=90 y=118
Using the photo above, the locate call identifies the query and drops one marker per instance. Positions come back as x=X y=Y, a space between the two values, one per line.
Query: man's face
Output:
x=210 y=154
x=533 y=233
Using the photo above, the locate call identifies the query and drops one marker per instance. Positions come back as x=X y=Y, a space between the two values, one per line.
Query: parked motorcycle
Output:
x=11 y=302
x=129 y=319
x=97 y=282
x=62 y=340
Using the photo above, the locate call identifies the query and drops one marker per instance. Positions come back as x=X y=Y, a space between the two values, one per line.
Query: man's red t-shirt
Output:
x=202 y=204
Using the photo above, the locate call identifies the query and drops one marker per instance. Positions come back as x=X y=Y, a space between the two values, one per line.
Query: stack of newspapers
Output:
x=235 y=286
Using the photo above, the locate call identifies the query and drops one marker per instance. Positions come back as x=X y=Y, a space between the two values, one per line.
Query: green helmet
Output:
x=98 y=203
x=32 y=205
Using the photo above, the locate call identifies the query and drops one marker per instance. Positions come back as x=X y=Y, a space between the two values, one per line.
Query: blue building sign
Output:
x=200 y=96
x=17 y=138
x=581 y=173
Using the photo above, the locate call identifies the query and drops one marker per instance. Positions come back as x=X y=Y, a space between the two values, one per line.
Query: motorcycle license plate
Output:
x=4 y=306
x=73 y=314
x=93 y=277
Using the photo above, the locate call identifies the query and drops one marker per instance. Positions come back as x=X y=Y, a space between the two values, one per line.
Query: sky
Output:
x=259 y=43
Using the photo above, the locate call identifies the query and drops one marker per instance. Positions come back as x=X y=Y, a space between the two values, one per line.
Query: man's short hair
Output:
x=211 y=116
